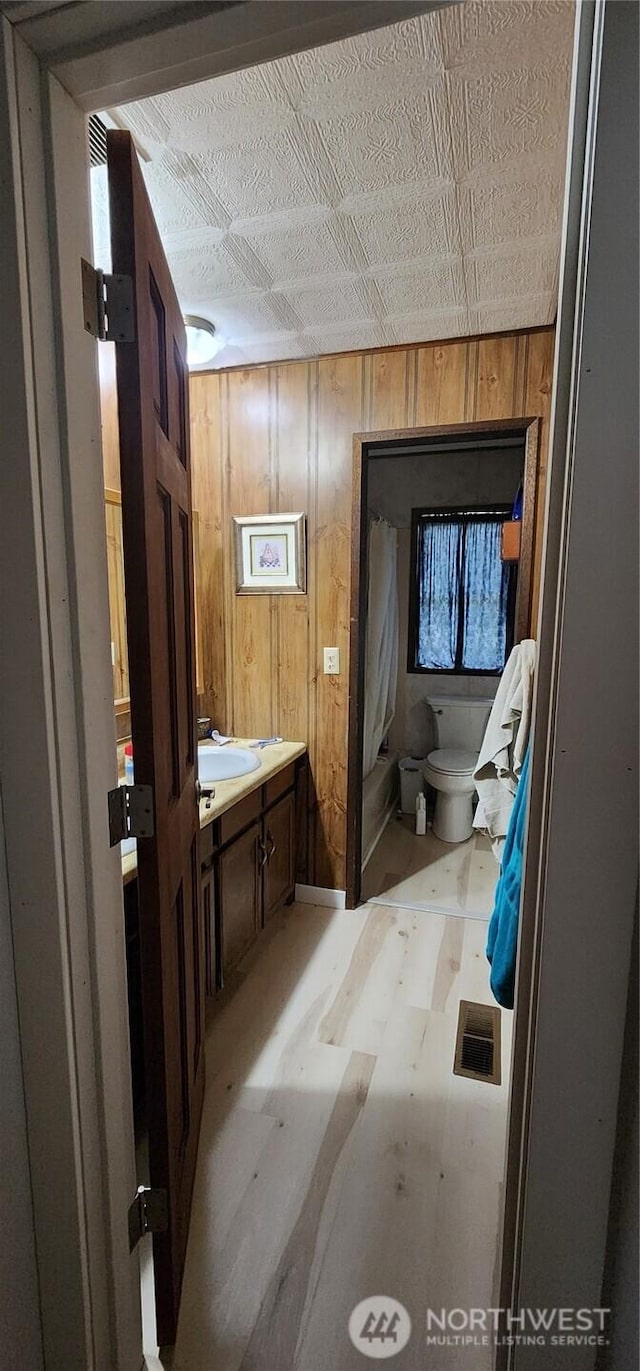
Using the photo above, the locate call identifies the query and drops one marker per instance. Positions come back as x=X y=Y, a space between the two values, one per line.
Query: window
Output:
x=462 y=607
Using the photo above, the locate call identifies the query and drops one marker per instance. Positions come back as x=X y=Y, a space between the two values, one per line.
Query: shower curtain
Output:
x=381 y=653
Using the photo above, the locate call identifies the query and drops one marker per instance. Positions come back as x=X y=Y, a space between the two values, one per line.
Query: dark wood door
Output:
x=157 y=535
x=239 y=888
x=279 y=872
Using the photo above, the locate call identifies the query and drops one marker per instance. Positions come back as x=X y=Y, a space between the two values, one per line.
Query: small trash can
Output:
x=411 y=782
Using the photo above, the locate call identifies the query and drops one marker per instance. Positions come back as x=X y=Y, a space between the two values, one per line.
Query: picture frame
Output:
x=270 y=554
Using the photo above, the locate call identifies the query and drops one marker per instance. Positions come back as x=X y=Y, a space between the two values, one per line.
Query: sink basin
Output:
x=223 y=763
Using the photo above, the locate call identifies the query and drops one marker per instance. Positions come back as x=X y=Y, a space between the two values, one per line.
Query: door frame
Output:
x=58 y=746
x=581 y=853
x=526 y=428
x=58 y=740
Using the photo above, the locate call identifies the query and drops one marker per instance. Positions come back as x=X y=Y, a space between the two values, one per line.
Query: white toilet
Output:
x=460 y=724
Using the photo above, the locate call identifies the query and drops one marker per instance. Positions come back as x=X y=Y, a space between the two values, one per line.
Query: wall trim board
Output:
x=320 y=895
x=371 y=352
x=111 y=62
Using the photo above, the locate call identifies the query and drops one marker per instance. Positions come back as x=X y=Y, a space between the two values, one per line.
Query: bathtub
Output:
x=380 y=797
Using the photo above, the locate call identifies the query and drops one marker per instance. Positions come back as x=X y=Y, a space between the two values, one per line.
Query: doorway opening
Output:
x=332 y=1032
x=458 y=485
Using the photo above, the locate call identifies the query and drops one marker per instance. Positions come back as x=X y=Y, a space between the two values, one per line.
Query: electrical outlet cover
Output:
x=332 y=661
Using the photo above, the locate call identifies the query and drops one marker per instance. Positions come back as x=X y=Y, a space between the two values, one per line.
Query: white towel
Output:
x=504 y=745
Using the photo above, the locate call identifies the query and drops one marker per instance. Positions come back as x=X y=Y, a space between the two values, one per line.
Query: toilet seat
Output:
x=452 y=761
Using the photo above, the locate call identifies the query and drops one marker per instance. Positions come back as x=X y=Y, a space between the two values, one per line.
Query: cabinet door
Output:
x=239 y=888
x=209 y=918
x=279 y=873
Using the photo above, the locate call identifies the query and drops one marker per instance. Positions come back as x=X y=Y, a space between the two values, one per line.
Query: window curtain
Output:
x=486 y=589
x=439 y=594
x=463 y=595
x=381 y=651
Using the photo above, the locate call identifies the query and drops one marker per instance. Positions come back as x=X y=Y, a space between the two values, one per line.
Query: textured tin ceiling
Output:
x=396 y=187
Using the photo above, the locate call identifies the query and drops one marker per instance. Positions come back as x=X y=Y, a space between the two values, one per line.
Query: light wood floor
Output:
x=339 y=1156
x=406 y=869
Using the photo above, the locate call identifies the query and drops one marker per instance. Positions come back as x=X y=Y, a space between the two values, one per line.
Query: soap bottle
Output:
x=421 y=814
x=128 y=763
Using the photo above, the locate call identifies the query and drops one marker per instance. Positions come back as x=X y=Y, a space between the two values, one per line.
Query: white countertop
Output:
x=272 y=758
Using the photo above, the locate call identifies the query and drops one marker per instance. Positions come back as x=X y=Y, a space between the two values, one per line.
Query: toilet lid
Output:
x=452 y=760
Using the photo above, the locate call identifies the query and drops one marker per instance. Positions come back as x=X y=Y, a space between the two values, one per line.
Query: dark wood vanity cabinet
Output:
x=250 y=861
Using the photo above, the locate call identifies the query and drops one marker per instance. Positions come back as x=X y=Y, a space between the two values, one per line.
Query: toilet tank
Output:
x=460 y=721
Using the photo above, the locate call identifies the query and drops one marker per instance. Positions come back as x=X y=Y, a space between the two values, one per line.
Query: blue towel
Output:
x=502 y=938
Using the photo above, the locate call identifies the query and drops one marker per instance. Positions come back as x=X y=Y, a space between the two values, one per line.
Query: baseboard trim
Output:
x=319 y=894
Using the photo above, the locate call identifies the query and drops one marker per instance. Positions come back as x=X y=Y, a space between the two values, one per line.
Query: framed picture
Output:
x=270 y=554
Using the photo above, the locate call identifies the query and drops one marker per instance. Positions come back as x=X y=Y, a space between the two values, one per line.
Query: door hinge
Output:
x=149 y=1213
x=130 y=813
x=107 y=305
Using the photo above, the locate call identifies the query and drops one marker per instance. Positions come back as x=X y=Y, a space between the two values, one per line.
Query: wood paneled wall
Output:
x=117 y=610
x=113 y=518
x=279 y=439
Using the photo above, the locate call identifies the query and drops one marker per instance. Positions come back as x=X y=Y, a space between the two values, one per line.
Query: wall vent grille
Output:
x=97 y=141
x=478 y=1054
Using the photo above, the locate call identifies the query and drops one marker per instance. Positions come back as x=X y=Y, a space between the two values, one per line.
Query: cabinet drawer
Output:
x=242 y=814
x=279 y=784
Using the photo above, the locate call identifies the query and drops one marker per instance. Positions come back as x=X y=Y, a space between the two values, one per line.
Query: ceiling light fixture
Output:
x=202 y=340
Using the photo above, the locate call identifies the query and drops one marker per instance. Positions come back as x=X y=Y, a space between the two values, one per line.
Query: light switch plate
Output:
x=332 y=661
